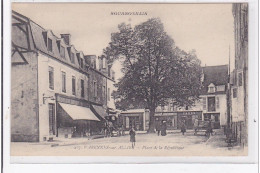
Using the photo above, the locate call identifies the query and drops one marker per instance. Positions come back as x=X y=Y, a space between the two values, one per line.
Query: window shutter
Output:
x=204 y=103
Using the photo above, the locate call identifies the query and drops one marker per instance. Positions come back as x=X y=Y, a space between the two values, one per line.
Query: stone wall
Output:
x=24 y=101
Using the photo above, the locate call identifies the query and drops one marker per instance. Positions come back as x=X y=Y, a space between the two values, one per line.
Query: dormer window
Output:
x=49 y=45
x=62 y=51
x=72 y=58
x=81 y=62
x=211 y=88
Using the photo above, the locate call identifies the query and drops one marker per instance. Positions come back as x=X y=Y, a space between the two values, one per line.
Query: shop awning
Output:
x=79 y=112
x=100 y=111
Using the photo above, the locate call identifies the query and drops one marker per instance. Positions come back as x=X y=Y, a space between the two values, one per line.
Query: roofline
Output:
x=29 y=20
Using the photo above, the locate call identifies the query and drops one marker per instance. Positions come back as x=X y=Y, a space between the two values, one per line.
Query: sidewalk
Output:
x=69 y=141
x=218 y=140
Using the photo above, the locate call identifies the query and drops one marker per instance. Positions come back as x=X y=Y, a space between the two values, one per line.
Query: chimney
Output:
x=67 y=38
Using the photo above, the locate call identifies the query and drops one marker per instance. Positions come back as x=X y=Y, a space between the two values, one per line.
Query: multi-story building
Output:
x=211 y=105
x=57 y=91
x=239 y=77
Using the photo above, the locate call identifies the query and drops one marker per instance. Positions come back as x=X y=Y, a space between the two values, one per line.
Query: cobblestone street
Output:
x=174 y=144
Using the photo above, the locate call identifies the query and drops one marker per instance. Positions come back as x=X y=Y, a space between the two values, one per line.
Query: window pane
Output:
x=73 y=58
x=62 y=52
x=81 y=62
x=235 y=93
x=240 y=82
x=51 y=78
x=73 y=85
x=63 y=82
x=82 y=88
x=95 y=89
x=51 y=119
x=211 y=104
x=49 y=44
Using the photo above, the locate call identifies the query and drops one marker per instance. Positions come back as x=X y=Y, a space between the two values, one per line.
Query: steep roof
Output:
x=218 y=75
x=40 y=44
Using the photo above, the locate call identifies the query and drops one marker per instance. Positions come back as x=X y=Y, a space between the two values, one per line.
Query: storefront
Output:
x=169 y=117
x=133 y=118
x=75 y=118
x=188 y=117
x=214 y=117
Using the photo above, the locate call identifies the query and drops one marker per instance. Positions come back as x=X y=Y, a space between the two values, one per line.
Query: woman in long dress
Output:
x=132 y=136
x=163 y=129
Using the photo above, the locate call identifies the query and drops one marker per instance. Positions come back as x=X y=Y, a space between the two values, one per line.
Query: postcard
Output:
x=129 y=79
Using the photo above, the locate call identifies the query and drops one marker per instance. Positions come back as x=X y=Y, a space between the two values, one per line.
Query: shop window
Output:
x=51 y=78
x=207 y=117
x=73 y=85
x=63 y=74
x=51 y=119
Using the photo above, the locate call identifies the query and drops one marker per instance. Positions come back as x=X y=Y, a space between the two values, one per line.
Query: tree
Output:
x=154 y=69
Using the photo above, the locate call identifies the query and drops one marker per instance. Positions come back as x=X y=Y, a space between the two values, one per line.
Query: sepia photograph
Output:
x=129 y=79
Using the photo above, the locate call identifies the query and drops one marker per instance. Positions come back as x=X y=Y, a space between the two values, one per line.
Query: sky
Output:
x=207 y=28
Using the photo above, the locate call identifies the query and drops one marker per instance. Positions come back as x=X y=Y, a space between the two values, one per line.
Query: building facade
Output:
x=134 y=118
x=57 y=91
x=239 y=76
x=212 y=103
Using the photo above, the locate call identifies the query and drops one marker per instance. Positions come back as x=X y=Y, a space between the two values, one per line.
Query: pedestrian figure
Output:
x=158 y=127
x=209 y=129
x=183 y=127
x=196 y=125
x=163 y=128
x=106 y=128
x=132 y=136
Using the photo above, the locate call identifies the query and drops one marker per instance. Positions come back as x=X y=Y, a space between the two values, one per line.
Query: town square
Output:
x=137 y=83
